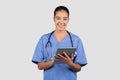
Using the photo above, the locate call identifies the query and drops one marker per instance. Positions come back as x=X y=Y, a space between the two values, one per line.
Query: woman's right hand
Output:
x=45 y=65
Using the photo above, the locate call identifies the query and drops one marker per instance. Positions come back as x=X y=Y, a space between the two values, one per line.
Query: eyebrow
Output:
x=63 y=17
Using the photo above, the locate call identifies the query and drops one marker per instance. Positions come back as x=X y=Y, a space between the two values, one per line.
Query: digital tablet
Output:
x=69 y=52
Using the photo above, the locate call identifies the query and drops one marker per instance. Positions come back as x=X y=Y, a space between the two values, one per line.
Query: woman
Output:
x=45 y=52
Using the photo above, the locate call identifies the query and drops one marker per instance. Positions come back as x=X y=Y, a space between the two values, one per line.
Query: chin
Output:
x=61 y=29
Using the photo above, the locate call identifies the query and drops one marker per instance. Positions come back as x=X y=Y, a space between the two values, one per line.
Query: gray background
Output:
x=22 y=22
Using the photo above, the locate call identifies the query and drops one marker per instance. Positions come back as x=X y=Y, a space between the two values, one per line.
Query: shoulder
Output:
x=45 y=36
x=76 y=39
x=75 y=36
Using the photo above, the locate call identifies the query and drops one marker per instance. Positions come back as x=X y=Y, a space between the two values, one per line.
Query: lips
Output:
x=61 y=24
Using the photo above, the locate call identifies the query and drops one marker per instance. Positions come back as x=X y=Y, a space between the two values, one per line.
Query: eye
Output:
x=58 y=18
x=65 y=18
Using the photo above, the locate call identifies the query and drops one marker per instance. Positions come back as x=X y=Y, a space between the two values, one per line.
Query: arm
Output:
x=45 y=65
x=69 y=61
x=75 y=67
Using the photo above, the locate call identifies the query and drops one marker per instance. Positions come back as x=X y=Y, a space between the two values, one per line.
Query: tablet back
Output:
x=70 y=51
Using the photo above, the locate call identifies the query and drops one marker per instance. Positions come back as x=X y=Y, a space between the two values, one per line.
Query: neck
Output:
x=60 y=32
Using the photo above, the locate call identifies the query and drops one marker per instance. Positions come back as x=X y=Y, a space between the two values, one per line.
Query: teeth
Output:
x=61 y=24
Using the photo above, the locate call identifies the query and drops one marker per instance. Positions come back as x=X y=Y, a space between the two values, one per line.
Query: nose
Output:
x=61 y=22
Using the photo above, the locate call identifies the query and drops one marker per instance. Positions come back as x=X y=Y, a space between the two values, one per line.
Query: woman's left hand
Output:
x=67 y=59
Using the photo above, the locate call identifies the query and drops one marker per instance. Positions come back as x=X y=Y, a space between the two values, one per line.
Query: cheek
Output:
x=66 y=22
x=56 y=21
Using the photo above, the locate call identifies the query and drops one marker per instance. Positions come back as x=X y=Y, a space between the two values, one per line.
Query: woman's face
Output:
x=61 y=20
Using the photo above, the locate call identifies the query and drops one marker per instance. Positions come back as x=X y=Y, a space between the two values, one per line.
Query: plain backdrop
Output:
x=96 y=22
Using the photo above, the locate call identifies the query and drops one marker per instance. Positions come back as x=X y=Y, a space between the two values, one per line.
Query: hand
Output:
x=67 y=59
x=45 y=65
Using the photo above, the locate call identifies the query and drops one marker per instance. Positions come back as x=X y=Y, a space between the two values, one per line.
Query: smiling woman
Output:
x=46 y=50
x=61 y=18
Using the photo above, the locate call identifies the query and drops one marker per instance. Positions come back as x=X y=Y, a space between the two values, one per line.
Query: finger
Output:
x=56 y=56
x=72 y=55
x=66 y=55
x=60 y=56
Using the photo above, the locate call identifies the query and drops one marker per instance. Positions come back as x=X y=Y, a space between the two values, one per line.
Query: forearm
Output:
x=75 y=67
x=69 y=61
x=45 y=65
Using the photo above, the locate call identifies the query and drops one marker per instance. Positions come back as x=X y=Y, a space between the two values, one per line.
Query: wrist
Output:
x=70 y=63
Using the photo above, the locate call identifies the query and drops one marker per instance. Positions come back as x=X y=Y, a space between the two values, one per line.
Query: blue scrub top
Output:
x=59 y=71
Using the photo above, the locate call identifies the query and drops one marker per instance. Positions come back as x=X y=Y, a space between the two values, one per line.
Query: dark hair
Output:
x=59 y=8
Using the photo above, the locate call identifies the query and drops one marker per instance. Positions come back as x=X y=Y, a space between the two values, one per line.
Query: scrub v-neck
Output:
x=61 y=40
